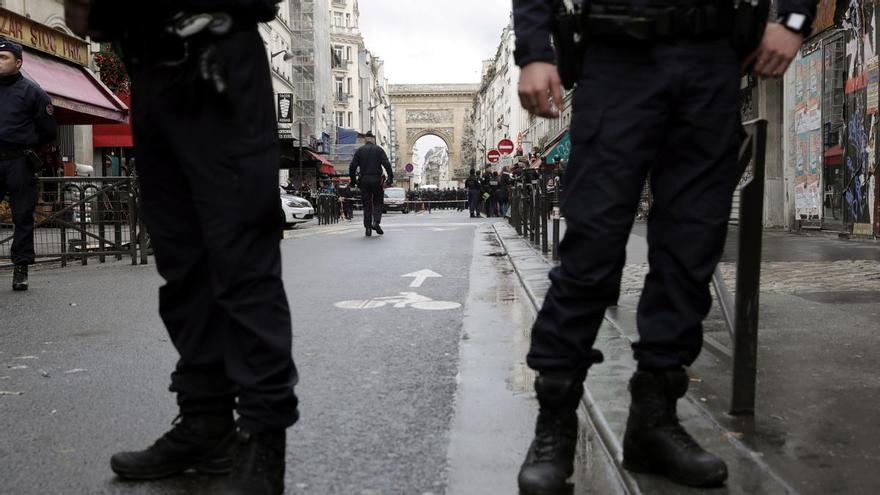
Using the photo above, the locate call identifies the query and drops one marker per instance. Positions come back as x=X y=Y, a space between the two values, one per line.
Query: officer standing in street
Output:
x=206 y=141
x=27 y=122
x=658 y=92
x=366 y=171
x=472 y=184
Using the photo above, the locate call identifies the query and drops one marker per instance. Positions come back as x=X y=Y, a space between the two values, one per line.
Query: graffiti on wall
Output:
x=861 y=111
x=808 y=136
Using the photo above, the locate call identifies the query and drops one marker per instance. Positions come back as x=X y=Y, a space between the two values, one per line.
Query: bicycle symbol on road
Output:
x=404 y=300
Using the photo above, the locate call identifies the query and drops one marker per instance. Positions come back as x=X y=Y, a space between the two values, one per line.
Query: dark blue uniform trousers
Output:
x=672 y=110
x=20 y=183
x=208 y=168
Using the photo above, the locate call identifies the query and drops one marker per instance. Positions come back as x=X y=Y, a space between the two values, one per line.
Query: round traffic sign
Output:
x=506 y=146
x=494 y=156
x=409 y=168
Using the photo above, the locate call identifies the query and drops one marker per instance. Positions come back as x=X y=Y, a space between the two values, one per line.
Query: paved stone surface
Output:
x=814 y=431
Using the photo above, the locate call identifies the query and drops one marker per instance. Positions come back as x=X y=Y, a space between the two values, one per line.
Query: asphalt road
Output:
x=84 y=363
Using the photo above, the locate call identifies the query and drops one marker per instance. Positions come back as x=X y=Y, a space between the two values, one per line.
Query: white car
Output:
x=296 y=210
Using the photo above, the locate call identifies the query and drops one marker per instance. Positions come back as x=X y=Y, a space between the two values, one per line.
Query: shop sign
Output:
x=42 y=38
x=285 y=108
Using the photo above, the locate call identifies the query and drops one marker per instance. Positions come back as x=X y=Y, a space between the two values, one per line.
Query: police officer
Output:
x=26 y=123
x=206 y=141
x=366 y=170
x=658 y=92
x=473 y=190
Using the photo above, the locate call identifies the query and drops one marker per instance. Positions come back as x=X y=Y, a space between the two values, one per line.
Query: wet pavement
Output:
x=403 y=376
x=816 y=429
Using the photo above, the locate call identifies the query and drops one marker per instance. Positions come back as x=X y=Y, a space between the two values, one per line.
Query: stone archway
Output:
x=441 y=110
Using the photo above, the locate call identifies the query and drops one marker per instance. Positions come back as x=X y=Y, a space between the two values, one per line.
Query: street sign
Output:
x=506 y=146
x=493 y=156
x=409 y=168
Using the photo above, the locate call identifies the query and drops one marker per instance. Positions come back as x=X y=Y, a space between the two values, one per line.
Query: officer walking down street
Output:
x=657 y=90
x=206 y=141
x=26 y=123
x=366 y=171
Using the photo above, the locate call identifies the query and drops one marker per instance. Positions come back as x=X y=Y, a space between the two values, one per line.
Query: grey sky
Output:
x=433 y=41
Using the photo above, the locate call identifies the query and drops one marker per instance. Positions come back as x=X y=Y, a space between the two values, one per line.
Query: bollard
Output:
x=99 y=214
x=133 y=239
x=83 y=225
x=556 y=223
x=545 y=204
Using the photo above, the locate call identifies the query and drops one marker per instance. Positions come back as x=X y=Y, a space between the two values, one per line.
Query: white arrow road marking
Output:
x=421 y=276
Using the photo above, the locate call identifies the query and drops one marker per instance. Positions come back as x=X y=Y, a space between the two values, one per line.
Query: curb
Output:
x=610 y=445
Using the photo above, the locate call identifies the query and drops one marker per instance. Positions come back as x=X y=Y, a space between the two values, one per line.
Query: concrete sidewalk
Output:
x=816 y=427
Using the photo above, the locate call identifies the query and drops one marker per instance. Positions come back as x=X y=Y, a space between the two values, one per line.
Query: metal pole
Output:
x=545 y=206
x=132 y=227
x=299 y=156
x=748 y=283
x=83 y=226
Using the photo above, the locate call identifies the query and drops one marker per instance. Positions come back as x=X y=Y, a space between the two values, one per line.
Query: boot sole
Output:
x=218 y=466
x=647 y=468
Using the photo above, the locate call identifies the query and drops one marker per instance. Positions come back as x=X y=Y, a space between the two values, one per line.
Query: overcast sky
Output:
x=433 y=41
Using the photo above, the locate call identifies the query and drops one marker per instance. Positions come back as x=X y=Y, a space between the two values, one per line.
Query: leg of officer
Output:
x=692 y=186
x=617 y=133
x=368 y=199
x=21 y=183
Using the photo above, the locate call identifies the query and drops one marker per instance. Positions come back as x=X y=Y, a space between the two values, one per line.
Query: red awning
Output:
x=326 y=166
x=113 y=135
x=78 y=96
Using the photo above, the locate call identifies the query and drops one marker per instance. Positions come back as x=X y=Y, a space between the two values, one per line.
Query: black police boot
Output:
x=655 y=442
x=550 y=460
x=20 y=277
x=378 y=229
x=202 y=443
x=259 y=464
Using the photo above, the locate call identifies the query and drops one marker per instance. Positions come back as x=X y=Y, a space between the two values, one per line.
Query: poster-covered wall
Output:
x=808 y=136
x=859 y=23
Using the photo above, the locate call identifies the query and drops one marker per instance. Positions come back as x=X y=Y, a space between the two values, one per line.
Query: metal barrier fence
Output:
x=328 y=209
x=533 y=204
x=82 y=218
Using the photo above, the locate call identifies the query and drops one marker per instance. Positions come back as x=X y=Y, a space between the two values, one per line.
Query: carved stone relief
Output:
x=429 y=116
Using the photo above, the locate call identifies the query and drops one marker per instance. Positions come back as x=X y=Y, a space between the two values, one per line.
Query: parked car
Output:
x=296 y=210
x=395 y=200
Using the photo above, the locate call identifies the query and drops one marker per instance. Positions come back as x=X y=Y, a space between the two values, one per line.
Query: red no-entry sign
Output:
x=494 y=156
x=506 y=146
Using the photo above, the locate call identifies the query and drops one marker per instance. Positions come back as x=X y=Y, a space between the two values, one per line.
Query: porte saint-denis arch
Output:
x=442 y=110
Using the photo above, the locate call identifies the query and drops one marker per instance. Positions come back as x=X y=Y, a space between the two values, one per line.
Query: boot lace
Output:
x=550 y=433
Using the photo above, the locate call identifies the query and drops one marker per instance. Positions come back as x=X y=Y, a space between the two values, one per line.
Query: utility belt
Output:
x=740 y=21
x=656 y=23
x=33 y=160
x=11 y=154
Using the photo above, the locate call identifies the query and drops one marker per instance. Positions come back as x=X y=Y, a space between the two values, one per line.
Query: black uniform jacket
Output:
x=26 y=114
x=533 y=19
x=370 y=159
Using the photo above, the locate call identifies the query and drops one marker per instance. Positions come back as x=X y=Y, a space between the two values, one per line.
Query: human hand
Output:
x=778 y=48
x=538 y=82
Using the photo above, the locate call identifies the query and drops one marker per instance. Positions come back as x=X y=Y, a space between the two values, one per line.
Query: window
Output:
x=348 y=54
x=340 y=119
x=337 y=56
x=347 y=20
x=348 y=83
x=349 y=119
x=337 y=19
x=339 y=91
